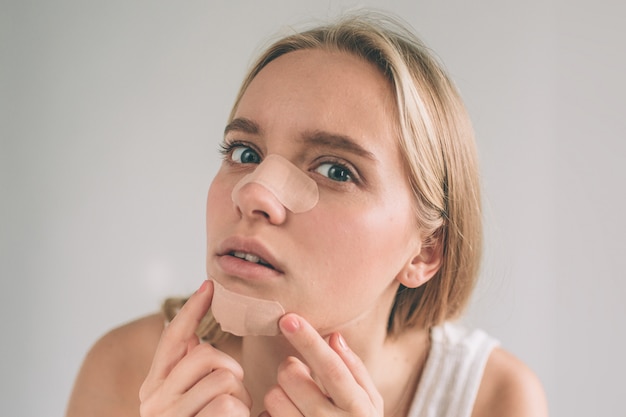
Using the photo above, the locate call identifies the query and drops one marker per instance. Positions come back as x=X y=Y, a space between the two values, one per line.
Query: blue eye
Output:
x=335 y=172
x=245 y=155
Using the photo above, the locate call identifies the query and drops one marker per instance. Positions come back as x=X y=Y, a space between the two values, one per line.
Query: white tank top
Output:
x=452 y=373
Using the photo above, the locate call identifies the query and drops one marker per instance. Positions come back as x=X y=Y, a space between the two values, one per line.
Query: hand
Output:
x=343 y=387
x=189 y=378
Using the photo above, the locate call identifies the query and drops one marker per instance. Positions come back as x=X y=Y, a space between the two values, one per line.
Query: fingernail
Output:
x=203 y=286
x=342 y=342
x=289 y=324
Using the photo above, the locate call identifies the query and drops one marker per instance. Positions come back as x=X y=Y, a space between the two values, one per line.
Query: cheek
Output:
x=351 y=260
x=369 y=242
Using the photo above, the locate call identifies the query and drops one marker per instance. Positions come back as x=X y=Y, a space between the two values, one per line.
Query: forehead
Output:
x=317 y=89
x=341 y=65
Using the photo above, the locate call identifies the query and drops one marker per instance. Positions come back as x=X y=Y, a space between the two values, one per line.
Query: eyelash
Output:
x=227 y=148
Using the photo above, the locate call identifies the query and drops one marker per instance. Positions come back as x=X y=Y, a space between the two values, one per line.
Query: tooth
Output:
x=241 y=255
x=252 y=258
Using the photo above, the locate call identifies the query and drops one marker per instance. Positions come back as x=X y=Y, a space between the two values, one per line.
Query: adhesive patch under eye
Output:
x=289 y=184
x=245 y=316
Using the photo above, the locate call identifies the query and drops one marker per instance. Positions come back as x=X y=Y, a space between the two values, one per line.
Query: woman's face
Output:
x=332 y=115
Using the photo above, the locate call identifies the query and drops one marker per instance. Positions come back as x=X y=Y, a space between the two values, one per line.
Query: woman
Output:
x=371 y=248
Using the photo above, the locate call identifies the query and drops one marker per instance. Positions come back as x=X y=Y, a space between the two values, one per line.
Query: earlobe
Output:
x=421 y=268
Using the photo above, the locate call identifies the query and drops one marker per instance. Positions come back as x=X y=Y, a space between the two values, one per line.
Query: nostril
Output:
x=262 y=213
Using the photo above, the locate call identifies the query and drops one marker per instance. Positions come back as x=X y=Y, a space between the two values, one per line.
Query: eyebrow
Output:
x=337 y=141
x=244 y=125
x=315 y=138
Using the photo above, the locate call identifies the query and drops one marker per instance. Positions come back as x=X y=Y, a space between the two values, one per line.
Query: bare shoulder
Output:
x=509 y=388
x=114 y=369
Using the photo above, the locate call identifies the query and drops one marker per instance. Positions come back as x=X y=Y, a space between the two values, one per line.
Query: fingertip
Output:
x=198 y=304
x=340 y=346
x=203 y=287
x=206 y=289
x=289 y=323
x=340 y=342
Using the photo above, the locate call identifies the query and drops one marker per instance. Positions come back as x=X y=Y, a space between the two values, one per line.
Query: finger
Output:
x=325 y=363
x=178 y=336
x=357 y=368
x=210 y=389
x=295 y=380
x=224 y=405
x=203 y=360
x=278 y=404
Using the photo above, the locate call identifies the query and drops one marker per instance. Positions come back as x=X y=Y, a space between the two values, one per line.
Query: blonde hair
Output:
x=437 y=143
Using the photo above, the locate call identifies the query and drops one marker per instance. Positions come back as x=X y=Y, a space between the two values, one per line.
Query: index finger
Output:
x=326 y=364
x=181 y=331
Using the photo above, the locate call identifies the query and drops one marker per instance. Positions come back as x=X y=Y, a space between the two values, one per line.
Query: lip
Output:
x=242 y=268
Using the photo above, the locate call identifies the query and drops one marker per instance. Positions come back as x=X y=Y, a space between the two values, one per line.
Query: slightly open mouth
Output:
x=250 y=258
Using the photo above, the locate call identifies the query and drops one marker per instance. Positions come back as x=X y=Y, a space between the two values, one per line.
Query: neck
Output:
x=395 y=364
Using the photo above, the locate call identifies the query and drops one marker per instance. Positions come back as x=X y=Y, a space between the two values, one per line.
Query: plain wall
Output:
x=110 y=117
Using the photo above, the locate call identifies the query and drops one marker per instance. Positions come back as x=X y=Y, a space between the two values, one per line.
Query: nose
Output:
x=255 y=201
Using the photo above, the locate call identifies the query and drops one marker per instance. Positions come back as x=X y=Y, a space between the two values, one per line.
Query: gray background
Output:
x=110 y=116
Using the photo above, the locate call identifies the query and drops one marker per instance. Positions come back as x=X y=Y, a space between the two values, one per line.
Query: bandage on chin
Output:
x=289 y=184
x=242 y=315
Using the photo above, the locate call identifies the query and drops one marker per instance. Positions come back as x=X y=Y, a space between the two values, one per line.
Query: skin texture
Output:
x=335 y=269
x=320 y=252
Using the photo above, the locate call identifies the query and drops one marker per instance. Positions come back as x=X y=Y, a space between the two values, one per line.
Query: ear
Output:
x=421 y=267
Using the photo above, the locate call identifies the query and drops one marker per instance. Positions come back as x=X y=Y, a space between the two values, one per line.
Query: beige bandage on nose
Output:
x=245 y=316
x=289 y=184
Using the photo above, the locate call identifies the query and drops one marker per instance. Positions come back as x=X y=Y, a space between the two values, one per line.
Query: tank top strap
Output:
x=452 y=373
